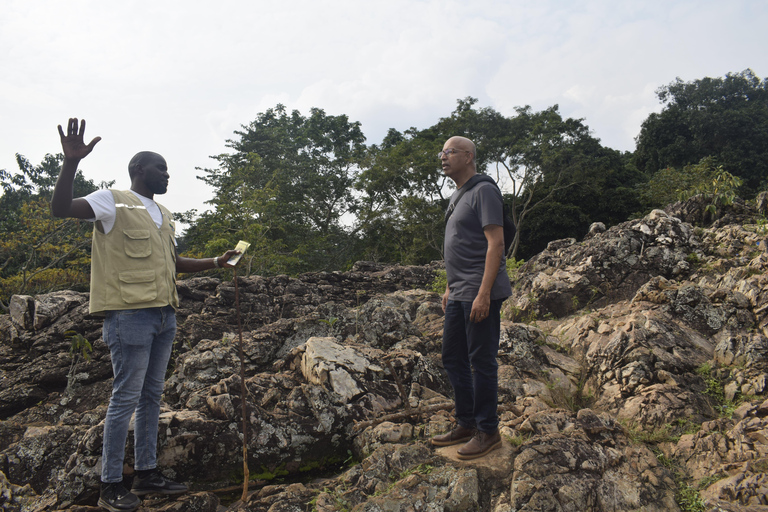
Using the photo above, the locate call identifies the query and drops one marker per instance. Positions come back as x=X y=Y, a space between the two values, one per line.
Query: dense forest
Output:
x=310 y=194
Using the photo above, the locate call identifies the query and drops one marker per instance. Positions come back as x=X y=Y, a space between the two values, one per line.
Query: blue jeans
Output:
x=469 y=358
x=140 y=343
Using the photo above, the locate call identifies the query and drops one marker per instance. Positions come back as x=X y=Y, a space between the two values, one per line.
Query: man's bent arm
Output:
x=494 y=234
x=62 y=203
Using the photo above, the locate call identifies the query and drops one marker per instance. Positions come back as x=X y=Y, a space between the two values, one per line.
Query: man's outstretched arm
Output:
x=75 y=149
x=184 y=264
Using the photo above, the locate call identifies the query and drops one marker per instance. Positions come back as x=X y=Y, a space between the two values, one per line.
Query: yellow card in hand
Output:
x=241 y=246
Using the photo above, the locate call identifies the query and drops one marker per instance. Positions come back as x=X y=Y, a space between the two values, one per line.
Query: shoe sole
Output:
x=103 y=504
x=450 y=443
x=481 y=454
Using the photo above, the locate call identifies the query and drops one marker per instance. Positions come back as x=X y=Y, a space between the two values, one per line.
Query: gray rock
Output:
x=643 y=343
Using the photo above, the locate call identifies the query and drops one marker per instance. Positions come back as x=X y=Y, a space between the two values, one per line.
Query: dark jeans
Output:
x=469 y=357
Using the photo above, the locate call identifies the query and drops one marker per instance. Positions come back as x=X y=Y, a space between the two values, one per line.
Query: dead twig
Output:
x=400 y=387
x=243 y=392
x=358 y=426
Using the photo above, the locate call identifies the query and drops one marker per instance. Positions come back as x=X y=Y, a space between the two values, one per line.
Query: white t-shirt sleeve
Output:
x=103 y=205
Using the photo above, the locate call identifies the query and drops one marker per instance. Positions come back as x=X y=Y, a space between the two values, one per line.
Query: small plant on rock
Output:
x=80 y=349
x=439 y=283
x=518 y=439
x=716 y=391
x=689 y=499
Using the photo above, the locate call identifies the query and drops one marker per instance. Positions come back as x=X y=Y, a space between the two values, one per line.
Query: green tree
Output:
x=399 y=213
x=540 y=159
x=288 y=186
x=404 y=191
x=671 y=184
x=40 y=253
x=597 y=184
x=724 y=118
x=537 y=156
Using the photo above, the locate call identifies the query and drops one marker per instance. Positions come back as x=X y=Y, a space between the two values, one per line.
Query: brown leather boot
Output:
x=458 y=434
x=480 y=445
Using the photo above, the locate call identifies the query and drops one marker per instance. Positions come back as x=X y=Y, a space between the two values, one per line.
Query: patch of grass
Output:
x=716 y=391
x=573 y=401
x=683 y=426
x=518 y=439
x=270 y=474
x=421 y=469
x=664 y=460
x=638 y=435
x=689 y=499
x=333 y=461
x=512 y=267
x=709 y=480
x=693 y=259
x=80 y=349
x=704 y=369
x=335 y=494
x=532 y=314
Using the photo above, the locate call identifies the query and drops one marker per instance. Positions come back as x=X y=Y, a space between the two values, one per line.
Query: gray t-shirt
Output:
x=466 y=246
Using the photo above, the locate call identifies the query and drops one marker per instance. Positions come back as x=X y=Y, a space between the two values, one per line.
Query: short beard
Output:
x=158 y=188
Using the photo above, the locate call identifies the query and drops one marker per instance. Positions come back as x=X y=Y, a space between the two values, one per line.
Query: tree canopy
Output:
x=310 y=195
x=723 y=118
x=38 y=252
x=287 y=186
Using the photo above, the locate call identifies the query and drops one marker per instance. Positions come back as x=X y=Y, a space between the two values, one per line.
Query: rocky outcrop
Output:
x=632 y=376
x=604 y=268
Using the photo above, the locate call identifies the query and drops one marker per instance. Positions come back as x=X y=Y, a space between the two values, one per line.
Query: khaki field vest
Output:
x=134 y=265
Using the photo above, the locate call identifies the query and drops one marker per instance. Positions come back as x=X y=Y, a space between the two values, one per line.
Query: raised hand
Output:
x=72 y=143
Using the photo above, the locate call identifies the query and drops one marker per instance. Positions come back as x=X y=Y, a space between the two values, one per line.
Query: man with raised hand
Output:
x=477 y=286
x=133 y=285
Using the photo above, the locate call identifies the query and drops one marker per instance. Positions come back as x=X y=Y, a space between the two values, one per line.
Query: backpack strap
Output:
x=474 y=180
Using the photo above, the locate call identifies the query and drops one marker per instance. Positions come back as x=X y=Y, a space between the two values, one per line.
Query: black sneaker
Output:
x=115 y=498
x=154 y=482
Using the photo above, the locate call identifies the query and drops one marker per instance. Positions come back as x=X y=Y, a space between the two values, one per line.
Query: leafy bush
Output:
x=439 y=283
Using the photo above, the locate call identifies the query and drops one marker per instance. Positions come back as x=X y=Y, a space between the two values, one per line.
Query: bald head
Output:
x=462 y=143
x=149 y=174
x=458 y=159
x=143 y=158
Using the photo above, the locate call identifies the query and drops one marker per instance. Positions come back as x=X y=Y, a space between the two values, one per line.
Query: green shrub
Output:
x=439 y=283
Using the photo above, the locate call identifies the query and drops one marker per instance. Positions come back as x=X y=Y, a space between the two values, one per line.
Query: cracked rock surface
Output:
x=632 y=367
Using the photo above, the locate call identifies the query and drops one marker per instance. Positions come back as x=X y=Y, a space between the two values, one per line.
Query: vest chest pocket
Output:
x=138 y=286
x=136 y=243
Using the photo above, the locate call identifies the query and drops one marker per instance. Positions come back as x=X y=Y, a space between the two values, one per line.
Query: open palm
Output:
x=72 y=143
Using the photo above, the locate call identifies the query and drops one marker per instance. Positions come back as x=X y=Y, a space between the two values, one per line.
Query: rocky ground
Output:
x=633 y=370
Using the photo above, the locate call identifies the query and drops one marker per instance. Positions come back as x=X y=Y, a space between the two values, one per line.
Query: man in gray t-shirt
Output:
x=477 y=286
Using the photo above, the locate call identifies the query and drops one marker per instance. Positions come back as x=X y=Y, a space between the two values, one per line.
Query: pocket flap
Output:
x=137 y=276
x=136 y=234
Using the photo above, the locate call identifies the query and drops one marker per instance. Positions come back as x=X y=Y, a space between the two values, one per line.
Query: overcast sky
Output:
x=179 y=77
